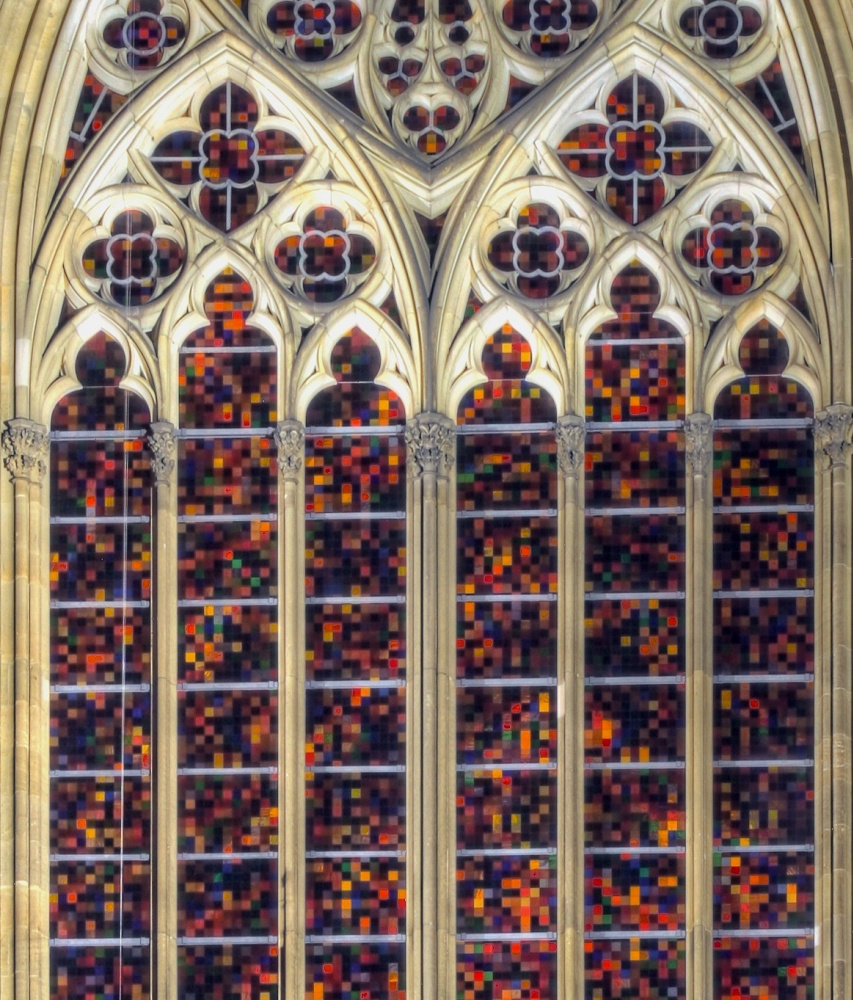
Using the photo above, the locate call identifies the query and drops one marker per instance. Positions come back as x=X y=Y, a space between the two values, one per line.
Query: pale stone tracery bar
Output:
x=571 y=438
x=698 y=433
x=162 y=443
x=430 y=438
x=833 y=427
x=25 y=443
x=289 y=436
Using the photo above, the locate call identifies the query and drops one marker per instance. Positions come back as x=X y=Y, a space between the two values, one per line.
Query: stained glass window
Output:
x=100 y=685
x=506 y=678
x=764 y=818
x=634 y=725
x=228 y=869
x=355 y=683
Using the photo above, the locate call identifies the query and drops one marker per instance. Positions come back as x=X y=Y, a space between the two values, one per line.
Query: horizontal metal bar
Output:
x=635 y=935
x=98 y=605
x=360 y=599
x=356 y=515
x=674 y=680
x=228 y=856
x=204 y=942
x=222 y=433
x=356 y=769
x=72 y=689
x=647 y=765
x=335 y=855
x=355 y=938
x=105 y=435
x=372 y=685
x=764 y=849
x=185 y=351
x=788 y=763
x=635 y=425
x=764 y=423
x=762 y=934
x=505 y=598
x=113 y=858
x=117 y=773
x=763 y=678
x=531 y=428
x=507 y=852
x=242 y=518
x=516 y=936
x=100 y=942
x=356 y=430
x=227 y=685
x=765 y=508
x=720 y=595
x=507 y=682
x=223 y=771
x=634 y=341
x=495 y=515
x=632 y=511
x=97 y=519
x=229 y=602
x=634 y=851
x=511 y=767
x=634 y=595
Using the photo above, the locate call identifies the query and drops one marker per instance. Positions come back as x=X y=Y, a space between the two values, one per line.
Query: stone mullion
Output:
x=699 y=698
x=431 y=711
x=833 y=721
x=570 y=681
x=25 y=443
x=162 y=443
x=290 y=442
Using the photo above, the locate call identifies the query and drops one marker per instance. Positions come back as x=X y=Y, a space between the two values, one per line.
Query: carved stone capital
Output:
x=25 y=446
x=832 y=428
x=289 y=438
x=571 y=432
x=431 y=439
x=699 y=432
x=162 y=441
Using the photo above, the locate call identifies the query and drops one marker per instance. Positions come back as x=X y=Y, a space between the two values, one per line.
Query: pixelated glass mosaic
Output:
x=634 y=638
x=625 y=553
x=228 y=971
x=634 y=723
x=489 y=969
x=503 y=637
x=227 y=813
x=355 y=642
x=656 y=817
x=642 y=893
x=753 y=968
x=354 y=971
x=636 y=967
x=767 y=891
x=506 y=895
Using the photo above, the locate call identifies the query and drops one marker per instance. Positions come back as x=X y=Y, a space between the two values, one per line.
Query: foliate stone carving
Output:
x=832 y=428
x=25 y=446
x=431 y=439
x=698 y=428
x=289 y=438
x=162 y=437
x=571 y=432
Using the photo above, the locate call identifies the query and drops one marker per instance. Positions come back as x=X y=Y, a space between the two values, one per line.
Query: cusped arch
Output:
x=807 y=363
x=55 y=375
x=312 y=367
x=462 y=368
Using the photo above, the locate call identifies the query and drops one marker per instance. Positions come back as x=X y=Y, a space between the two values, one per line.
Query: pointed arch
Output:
x=807 y=362
x=463 y=367
x=312 y=370
x=54 y=372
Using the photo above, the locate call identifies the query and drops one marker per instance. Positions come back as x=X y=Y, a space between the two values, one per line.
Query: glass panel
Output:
x=355 y=746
